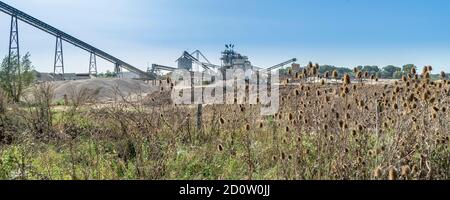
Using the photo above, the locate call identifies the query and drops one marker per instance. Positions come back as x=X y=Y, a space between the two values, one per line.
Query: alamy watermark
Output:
x=233 y=86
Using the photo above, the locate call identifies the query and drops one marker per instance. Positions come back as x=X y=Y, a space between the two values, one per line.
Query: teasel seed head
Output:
x=354 y=133
x=413 y=71
x=283 y=156
x=443 y=75
x=341 y=124
x=377 y=173
x=366 y=74
x=395 y=106
x=392 y=174
x=434 y=116
x=404 y=78
x=361 y=103
x=405 y=170
x=436 y=109
x=346 y=79
x=290 y=157
x=346 y=90
x=335 y=74
x=360 y=128
x=425 y=96
x=345 y=126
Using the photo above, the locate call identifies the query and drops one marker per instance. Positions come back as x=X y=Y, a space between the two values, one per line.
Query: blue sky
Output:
x=337 y=32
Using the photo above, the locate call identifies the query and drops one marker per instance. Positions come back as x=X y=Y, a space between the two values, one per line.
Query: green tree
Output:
x=108 y=74
x=398 y=75
x=388 y=71
x=371 y=69
x=284 y=71
x=406 y=69
x=330 y=68
x=14 y=78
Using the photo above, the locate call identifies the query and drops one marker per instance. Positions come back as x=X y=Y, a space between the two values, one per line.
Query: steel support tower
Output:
x=61 y=36
x=59 y=59
x=93 y=64
x=14 y=49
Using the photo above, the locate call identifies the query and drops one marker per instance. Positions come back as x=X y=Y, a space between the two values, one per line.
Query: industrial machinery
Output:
x=156 y=69
x=186 y=62
x=230 y=59
x=188 y=56
x=60 y=37
x=233 y=60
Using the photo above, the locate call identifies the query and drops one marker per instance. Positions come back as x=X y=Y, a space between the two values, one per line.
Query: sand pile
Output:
x=104 y=90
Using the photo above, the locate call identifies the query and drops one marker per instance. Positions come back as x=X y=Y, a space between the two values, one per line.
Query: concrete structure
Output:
x=46 y=77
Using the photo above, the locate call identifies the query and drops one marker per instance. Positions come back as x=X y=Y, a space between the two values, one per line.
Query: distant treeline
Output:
x=387 y=72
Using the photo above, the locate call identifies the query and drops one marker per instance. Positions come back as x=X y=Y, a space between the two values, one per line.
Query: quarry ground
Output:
x=104 y=91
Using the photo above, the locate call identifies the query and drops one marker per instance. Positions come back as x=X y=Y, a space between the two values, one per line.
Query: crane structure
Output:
x=61 y=36
x=230 y=60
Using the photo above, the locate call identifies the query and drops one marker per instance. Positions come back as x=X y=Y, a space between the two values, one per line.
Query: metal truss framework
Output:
x=93 y=64
x=61 y=36
x=59 y=58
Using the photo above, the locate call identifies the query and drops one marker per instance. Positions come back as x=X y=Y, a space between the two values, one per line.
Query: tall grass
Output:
x=323 y=131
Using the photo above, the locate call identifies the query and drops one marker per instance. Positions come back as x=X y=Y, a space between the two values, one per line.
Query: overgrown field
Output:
x=323 y=131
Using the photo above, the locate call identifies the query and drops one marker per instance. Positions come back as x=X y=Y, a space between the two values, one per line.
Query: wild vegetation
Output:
x=15 y=76
x=326 y=130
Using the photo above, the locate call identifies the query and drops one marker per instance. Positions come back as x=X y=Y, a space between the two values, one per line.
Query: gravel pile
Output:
x=104 y=90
